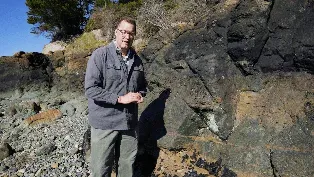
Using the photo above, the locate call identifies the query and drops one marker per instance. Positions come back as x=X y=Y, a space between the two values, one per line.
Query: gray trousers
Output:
x=110 y=145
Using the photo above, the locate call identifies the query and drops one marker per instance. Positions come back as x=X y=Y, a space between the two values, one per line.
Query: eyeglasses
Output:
x=123 y=32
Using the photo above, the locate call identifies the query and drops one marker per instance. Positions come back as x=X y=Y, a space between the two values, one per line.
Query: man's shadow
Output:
x=151 y=127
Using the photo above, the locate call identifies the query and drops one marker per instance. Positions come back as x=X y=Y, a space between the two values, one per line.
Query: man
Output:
x=114 y=85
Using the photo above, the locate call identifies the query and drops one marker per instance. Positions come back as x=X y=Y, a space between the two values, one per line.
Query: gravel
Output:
x=48 y=149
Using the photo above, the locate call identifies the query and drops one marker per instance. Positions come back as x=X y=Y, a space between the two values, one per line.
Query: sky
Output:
x=15 y=31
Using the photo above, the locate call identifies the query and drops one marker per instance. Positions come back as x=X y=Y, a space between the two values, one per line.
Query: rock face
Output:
x=237 y=87
x=69 y=71
x=272 y=36
x=33 y=71
x=247 y=33
x=34 y=66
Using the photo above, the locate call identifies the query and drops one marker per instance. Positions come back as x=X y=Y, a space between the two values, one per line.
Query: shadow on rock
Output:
x=151 y=128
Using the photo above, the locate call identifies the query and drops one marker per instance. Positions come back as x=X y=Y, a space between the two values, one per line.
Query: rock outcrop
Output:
x=23 y=72
x=237 y=87
x=54 y=47
x=241 y=88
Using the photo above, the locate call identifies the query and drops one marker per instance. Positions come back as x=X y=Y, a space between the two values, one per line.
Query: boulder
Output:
x=53 y=47
x=5 y=151
x=46 y=149
x=19 y=54
x=43 y=117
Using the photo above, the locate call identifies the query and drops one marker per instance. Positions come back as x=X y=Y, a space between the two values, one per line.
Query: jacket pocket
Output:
x=113 y=72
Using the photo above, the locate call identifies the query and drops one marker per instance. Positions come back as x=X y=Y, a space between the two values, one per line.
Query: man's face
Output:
x=124 y=35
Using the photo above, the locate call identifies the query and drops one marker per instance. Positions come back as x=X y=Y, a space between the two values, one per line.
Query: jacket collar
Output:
x=113 y=50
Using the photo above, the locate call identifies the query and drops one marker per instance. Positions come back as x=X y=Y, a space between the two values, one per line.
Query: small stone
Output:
x=19 y=149
x=22 y=171
x=63 y=169
x=11 y=111
x=38 y=173
x=20 y=174
x=54 y=165
x=45 y=150
x=29 y=174
x=67 y=138
x=13 y=169
x=5 y=151
x=4 y=168
x=73 y=151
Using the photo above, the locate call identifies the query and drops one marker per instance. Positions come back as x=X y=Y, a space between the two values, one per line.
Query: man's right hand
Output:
x=130 y=98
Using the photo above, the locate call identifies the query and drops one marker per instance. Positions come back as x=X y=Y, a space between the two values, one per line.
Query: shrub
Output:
x=170 y=5
x=84 y=43
x=154 y=12
x=91 y=25
x=107 y=17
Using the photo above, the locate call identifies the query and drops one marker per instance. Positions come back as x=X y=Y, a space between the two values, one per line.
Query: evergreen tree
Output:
x=125 y=1
x=106 y=3
x=102 y=3
x=58 y=19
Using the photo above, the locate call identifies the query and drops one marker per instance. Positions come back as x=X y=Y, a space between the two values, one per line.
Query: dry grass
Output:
x=84 y=44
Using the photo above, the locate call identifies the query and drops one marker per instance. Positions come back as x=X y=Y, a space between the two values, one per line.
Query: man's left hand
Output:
x=140 y=100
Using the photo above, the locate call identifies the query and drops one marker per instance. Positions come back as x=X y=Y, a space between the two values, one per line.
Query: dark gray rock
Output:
x=46 y=149
x=292 y=152
x=58 y=59
x=150 y=52
x=68 y=109
x=181 y=122
x=33 y=68
x=246 y=148
x=303 y=42
x=201 y=72
x=290 y=42
x=86 y=144
x=271 y=36
x=5 y=151
x=294 y=138
x=247 y=34
x=228 y=173
x=292 y=163
x=307 y=123
x=71 y=82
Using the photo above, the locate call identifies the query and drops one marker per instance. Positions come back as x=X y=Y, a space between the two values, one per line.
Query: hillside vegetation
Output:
x=230 y=92
x=152 y=17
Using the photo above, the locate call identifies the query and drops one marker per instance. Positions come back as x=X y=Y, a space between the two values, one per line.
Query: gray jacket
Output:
x=106 y=79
